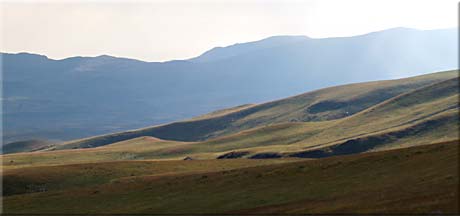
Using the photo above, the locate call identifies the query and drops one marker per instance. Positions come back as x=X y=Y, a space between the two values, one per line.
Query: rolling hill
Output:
x=322 y=105
x=363 y=117
x=80 y=97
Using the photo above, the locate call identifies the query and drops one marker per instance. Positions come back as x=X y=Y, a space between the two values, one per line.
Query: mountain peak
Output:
x=26 y=54
x=219 y=53
x=106 y=56
x=287 y=37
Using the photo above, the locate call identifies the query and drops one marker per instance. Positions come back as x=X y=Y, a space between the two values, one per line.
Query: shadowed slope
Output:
x=25 y=146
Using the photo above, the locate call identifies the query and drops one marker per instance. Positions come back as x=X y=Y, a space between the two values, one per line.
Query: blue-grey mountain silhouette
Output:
x=84 y=96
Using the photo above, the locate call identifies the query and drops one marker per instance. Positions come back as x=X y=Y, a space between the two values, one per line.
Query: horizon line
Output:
x=237 y=43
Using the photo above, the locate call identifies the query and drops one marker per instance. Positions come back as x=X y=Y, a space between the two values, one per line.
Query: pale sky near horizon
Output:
x=161 y=30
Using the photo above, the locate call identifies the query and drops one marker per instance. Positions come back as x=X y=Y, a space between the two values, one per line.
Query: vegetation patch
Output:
x=233 y=155
x=266 y=155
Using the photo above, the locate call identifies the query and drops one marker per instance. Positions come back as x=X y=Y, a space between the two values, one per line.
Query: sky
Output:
x=162 y=30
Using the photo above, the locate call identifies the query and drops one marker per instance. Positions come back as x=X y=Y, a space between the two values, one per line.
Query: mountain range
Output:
x=78 y=97
x=285 y=125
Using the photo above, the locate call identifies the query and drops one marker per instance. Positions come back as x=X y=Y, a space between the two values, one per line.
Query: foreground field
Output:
x=422 y=179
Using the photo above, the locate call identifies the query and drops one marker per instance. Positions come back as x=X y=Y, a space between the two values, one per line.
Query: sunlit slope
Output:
x=134 y=149
x=431 y=111
x=321 y=105
x=422 y=179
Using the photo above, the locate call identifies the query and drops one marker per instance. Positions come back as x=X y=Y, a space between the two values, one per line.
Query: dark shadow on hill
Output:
x=233 y=155
x=267 y=155
x=363 y=144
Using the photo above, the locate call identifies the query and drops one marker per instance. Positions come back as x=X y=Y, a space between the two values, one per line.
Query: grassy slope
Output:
x=126 y=150
x=430 y=113
x=21 y=180
x=417 y=109
x=421 y=179
x=325 y=104
x=422 y=116
x=437 y=101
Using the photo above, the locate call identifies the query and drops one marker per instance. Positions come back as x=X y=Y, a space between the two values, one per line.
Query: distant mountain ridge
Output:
x=86 y=96
x=220 y=53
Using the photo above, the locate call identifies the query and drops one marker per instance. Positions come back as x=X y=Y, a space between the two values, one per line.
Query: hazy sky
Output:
x=160 y=30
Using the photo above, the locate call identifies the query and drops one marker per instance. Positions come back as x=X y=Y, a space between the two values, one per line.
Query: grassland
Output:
x=422 y=179
x=58 y=177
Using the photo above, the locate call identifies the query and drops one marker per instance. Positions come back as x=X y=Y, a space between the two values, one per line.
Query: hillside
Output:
x=80 y=97
x=325 y=105
x=417 y=116
x=421 y=179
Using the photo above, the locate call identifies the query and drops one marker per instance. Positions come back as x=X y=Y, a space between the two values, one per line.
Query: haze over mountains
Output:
x=345 y=144
x=84 y=96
